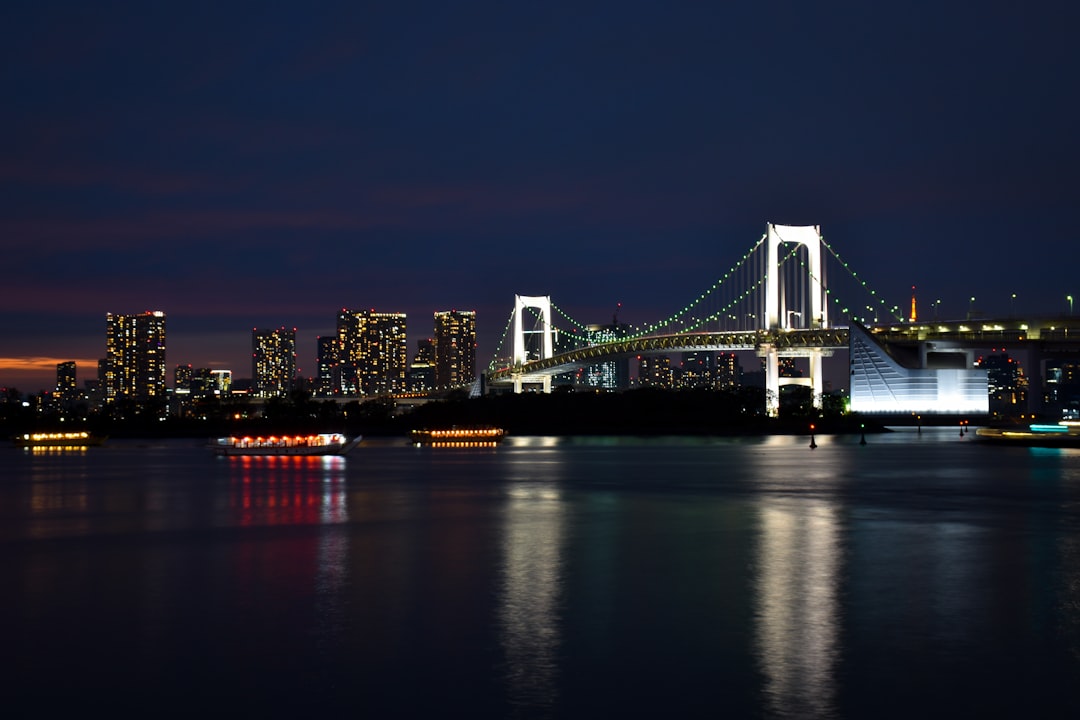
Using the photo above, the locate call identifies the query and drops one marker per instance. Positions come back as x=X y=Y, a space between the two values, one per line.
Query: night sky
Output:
x=266 y=164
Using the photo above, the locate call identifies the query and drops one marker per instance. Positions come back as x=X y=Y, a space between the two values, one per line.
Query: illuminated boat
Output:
x=458 y=437
x=1063 y=434
x=321 y=444
x=71 y=439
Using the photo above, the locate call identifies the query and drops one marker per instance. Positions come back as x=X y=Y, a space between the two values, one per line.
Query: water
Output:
x=919 y=575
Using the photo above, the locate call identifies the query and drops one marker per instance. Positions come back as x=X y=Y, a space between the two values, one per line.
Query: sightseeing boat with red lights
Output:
x=459 y=437
x=299 y=445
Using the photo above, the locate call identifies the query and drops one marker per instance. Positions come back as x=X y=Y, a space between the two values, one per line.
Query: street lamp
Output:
x=1012 y=305
x=1069 y=298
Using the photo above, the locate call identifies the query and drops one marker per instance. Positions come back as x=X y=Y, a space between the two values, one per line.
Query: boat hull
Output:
x=58 y=440
x=458 y=437
x=310 y=446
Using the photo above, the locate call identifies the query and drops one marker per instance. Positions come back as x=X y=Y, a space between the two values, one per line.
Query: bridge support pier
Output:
x=773 y=381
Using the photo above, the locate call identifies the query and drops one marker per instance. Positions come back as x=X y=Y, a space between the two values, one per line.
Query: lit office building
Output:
x=374 y=351
x=697 y=370
x=327 y=382
x=1006 y=384
x=273 y=362
x=182 y=379
x=135 y=357
x=455 y=348
x=728 y=371
x=612 y=374
x=67 y=387
x=655 y=371
x=422 y=369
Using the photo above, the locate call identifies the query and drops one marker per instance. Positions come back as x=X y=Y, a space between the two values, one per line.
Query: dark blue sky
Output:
x=265 y=164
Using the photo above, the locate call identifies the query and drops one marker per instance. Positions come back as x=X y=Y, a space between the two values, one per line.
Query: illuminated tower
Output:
x=67 y=388
x=135 y=357
x=329 y=355
x=374 y=347
x=455 y=348
x=914 y=316
x=273 y=362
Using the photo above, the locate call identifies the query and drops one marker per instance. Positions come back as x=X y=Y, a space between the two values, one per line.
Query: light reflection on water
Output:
x=756 y=578
x=529 y=621
x=797 y=618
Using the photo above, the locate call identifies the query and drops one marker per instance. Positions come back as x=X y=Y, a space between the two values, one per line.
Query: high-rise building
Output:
x=182 y=379
x=67 y=387
x=135 y=357
x=374 y=350
x=697 y=370
x=655 y=371
x=273 y=362
x=327 y=380
x=1006 y=384
x=611 y=374
x=728 y=371
x=422 y=369
x=455 y=348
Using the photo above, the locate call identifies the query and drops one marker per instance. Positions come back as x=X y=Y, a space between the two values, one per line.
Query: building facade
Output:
x=273 y=362
x=67 y=386
x=134 y=366
x=374 y=352
x=327 y=377
x=455 y=348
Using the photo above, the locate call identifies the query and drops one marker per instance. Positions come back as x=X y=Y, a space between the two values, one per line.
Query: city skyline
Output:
x=244 y=166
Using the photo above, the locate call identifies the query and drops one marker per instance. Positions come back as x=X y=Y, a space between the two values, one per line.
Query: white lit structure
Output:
x=543 y=304
x=881 y=385
x=779 y=316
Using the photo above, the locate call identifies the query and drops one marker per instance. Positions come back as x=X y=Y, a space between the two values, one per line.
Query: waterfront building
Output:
x=697 y=370
x=134 y=366
x=611 y=374
x=728 y=371
x=374 y=352
x=182 y=379
x=1006 y=384
x=455 y=348
x=67 y=386
x=939 y=379
x=655 y=371
x=273 y=362
x=1061 y=386
x=422 y=369
x=327 y=382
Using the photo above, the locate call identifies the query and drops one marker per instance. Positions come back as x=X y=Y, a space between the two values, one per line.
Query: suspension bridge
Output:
x=777 y=301
x=774 y=301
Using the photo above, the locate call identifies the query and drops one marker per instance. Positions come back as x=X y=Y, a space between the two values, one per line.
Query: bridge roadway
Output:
x=787 y=342
x=1047 y=333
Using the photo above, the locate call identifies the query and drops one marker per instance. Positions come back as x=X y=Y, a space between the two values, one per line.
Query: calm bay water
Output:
x=919 y=575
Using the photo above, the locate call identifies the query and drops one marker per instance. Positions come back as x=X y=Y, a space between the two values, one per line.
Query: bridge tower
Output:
x=543 y=304
x=778 y=318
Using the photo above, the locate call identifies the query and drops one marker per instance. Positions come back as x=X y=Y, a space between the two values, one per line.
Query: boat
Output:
x=1063 y=434
x=459 y=437
x=56 y=440
x=298 y=445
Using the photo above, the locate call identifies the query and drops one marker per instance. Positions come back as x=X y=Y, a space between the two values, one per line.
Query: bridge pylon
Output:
x=542 y=303
x=779 y=317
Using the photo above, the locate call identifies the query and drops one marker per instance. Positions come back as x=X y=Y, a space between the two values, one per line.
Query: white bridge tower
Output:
x=778 y=318
x=542 y=303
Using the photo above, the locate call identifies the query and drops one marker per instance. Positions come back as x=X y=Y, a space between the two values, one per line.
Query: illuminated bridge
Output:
x=776 y=301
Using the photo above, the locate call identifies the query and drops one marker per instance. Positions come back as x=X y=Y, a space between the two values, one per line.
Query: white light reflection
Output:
x=532 y=582
x=797 y=612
